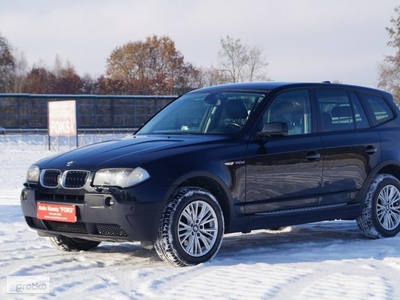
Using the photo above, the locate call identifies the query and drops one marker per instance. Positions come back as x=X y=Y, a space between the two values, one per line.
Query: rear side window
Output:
x=340 y=110
x=336 y=110
x=378 y=108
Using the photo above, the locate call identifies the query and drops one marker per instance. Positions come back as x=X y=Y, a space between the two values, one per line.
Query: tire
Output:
x=191 y=228
x=67 y=244
x=380 y=216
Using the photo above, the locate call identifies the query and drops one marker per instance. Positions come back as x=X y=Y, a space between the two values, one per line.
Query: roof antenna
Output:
x=326 y=81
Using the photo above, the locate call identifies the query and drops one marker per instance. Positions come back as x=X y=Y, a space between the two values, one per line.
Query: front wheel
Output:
x=381 y=213
x=67 y=244
x=191 y=229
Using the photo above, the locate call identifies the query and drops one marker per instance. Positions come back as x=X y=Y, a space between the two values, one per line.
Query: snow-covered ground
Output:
x=327 y=260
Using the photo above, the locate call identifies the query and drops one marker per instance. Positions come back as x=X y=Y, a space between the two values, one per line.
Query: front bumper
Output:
x=96 y=219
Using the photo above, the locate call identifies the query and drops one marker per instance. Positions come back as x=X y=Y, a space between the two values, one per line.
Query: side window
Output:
x=293 y=108
x=336 y=110
x=379 y=109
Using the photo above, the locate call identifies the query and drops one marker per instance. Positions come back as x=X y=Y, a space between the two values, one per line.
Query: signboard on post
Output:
x=62 y=118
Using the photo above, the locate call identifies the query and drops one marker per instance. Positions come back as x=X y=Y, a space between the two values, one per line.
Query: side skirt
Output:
x=289 y=217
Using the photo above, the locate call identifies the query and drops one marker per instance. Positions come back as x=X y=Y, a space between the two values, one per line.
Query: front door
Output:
x=285 y=172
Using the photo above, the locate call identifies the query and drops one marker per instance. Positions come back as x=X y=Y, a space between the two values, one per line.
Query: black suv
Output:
x=229 y=158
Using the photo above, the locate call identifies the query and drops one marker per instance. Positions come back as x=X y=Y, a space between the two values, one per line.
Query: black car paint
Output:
x=261 y=182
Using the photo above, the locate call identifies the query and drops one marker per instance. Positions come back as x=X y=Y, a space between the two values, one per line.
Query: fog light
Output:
x=109 y=201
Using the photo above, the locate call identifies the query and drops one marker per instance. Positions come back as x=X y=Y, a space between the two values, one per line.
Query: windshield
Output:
x=204 y=113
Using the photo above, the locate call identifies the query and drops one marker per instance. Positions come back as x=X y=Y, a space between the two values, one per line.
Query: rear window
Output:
x=378 y=108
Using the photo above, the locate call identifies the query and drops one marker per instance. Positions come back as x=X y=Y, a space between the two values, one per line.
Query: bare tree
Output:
x=89 y=85
x=257 y=64
x=389 y=69
x=7 y=66
x=233 y=58
x=242 y=62
x=212 y=76
x=67 y=80
x=20 y=72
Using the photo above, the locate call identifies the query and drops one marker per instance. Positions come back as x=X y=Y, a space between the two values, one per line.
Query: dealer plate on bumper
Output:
x=56 y=212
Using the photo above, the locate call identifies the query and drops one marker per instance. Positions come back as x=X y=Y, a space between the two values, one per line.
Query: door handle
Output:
x=313 y=155
x=371 y=150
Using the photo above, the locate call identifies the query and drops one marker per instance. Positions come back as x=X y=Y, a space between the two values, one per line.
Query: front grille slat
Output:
x=111 y=230
x=67 y=227
x=102 y=229
x=74 y=179
x=64 y=198
x=50 y=178
x=70 y=179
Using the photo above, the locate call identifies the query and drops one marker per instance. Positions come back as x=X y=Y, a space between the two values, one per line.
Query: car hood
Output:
x=128 y=152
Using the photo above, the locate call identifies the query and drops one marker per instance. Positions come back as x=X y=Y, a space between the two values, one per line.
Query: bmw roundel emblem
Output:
x=70 y=163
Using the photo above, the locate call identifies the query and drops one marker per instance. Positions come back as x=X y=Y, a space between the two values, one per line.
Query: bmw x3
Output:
x=223 y=159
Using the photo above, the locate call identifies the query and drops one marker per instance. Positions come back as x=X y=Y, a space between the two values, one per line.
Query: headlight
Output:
x=32 y=175
x=120 y=177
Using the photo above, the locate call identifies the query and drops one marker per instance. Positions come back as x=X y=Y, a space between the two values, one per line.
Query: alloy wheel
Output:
x=197 y=228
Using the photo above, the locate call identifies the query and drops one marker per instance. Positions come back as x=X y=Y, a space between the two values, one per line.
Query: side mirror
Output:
x=274 y=129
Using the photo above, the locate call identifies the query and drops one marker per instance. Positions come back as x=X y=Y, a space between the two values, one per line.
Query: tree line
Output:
x=150 y=67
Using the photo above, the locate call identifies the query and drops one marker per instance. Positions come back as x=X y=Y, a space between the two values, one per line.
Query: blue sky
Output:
x=308 y=40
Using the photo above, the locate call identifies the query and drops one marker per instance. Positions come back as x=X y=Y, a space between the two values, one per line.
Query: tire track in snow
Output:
x=353 y=279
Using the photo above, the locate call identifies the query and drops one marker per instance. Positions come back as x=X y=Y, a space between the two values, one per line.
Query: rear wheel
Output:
x=191 y=229
x=381 y=213
x=67 y=244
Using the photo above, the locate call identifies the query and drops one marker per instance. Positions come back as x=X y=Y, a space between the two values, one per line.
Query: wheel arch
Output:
x=391 y=167
x=216 y=187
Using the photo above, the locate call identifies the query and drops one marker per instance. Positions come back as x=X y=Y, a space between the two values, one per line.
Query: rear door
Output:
x=351 y=147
